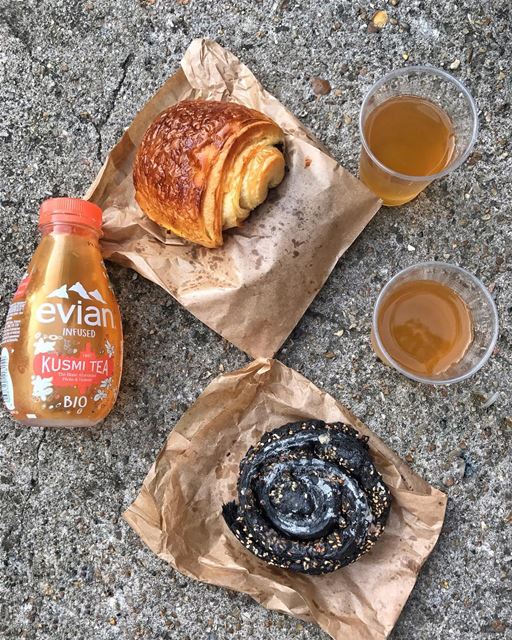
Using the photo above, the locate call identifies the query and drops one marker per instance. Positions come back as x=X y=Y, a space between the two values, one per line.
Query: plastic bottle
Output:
x=62 y=344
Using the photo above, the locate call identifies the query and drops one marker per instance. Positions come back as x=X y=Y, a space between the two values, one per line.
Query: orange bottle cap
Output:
x=70 y=210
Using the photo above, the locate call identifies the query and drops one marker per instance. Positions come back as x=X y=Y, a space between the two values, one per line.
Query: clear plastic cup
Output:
x=445 y=91
x=479 y=303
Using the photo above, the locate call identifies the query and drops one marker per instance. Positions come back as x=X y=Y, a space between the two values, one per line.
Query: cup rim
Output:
x=449 y=267
x=449 y=78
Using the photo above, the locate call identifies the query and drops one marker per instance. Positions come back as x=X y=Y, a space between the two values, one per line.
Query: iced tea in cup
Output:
x=417 y=124
x=435 y=323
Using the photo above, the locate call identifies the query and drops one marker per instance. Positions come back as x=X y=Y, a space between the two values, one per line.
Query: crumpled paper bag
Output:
x=178 y=513
x=255 y=288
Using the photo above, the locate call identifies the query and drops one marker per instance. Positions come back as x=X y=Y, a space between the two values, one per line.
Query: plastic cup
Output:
x=480 y=304
x=447 y=93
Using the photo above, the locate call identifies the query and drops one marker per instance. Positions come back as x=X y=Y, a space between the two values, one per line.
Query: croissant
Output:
x=202 y=166
x=309 y=498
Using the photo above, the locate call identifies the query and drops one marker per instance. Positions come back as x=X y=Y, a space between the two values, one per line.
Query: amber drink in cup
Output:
x=417 y=124
x=435 y=323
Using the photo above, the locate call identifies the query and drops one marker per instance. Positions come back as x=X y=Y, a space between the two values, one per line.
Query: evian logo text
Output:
x=81 y=312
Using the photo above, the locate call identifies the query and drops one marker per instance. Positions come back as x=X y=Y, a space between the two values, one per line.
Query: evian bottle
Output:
x=62 y=342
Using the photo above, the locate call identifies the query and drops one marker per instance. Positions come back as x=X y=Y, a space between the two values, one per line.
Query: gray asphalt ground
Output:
x=73 y=75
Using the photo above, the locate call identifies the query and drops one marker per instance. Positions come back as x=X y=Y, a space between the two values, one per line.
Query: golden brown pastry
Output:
x=202 y=166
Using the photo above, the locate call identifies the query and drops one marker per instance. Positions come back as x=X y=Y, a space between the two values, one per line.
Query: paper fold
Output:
x=255 y=288
x=178 y=512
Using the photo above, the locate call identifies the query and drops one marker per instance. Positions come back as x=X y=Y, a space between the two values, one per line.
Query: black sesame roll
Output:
x=310 y=498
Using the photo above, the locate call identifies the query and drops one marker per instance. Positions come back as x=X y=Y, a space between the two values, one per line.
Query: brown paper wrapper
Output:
x=178 y=512
x=255 y=288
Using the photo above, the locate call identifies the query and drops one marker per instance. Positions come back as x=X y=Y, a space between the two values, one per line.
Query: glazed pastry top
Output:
x=310 y=498
x=203 y=165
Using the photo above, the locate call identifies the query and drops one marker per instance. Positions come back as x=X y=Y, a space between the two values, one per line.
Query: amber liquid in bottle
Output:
x=424 y=326
x=410 y=135
x=62 y=342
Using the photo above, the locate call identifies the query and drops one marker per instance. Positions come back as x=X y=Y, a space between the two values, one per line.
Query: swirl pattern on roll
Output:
x=309 y=498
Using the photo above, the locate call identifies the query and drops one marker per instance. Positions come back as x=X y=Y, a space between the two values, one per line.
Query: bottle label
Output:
x=61 y=370
x=12 y=328
x=72 y=357
x=7 y=389
x=77 y=306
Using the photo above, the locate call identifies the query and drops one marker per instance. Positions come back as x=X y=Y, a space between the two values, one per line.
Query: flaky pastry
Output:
x=202 y=166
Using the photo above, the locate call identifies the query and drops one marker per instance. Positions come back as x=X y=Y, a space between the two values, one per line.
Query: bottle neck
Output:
x=67 y=248
x=67 y=228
